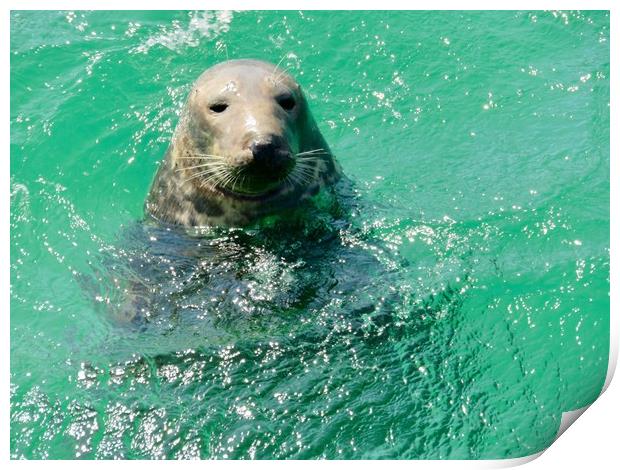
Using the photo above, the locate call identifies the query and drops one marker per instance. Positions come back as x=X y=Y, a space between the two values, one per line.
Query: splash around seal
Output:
x=246 y=146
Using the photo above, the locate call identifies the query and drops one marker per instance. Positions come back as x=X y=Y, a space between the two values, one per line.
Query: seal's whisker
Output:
x=243 y=178
x=306 y=167
x=305 y=177
x=207 y=166
x=214 y=158
x=209 y=171
x=302 y=174
x=204 y=165
x=216 y=176
x=278 y=64
x=231 y=181
x=190 y=178
x=307 y=161
x=289 y=181
x=299 y=181
x=208 y=155
x=228 y=178
x=309 y=169
x=236 y=180
x=295 y=178
x=281 y=74
x=210 y=180
x=310 y=152
x=233 y=175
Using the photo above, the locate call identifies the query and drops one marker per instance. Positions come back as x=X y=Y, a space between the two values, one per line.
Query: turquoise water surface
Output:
x=454 y=306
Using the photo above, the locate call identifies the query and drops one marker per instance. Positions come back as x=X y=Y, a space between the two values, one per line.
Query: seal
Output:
x=246 y=146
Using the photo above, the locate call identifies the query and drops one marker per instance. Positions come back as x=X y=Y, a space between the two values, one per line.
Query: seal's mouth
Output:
x=255 y=184
x=252 y=187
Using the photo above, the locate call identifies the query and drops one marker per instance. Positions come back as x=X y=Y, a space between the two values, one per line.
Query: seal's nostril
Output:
x=263 y=152
x=269 y=155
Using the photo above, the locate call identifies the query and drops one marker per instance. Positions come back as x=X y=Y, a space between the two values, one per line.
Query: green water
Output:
x=463 y=309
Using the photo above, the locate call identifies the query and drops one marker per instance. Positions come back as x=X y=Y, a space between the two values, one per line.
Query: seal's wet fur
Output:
x=244 y=122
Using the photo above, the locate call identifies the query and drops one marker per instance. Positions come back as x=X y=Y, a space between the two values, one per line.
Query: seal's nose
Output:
x=269 y=154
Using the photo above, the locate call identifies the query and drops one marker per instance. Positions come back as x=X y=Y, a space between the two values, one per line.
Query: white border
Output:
x=306 y=5
x=593 y=441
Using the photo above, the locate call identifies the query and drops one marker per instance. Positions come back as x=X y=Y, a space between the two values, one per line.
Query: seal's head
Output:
x=246 y=145
x=244 y=121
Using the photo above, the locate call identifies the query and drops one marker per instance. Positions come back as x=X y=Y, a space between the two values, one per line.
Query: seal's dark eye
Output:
x=287 y=102
x=218 y=107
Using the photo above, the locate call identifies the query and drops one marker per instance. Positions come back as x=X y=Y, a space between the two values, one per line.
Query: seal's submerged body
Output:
x=246 y=146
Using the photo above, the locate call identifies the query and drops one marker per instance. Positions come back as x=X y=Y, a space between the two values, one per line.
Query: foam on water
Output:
x=202 y=26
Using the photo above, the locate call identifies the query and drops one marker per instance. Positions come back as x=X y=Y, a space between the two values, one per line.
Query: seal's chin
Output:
x=258 y=197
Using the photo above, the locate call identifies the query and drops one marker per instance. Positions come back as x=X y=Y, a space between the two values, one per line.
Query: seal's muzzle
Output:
x=270 y=156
